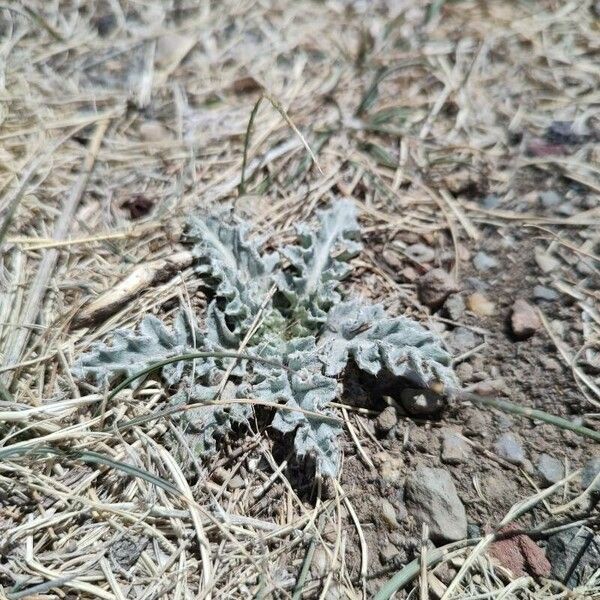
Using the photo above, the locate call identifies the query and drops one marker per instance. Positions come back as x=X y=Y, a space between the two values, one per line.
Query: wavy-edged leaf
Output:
x=129 y=353
x=243 y=275
x=304 y=387
x=376 y=341
x=318 y=264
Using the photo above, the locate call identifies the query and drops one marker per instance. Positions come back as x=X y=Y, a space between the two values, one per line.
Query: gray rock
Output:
x=462 y=340
x=388 y=514
x=509 y=447
x=566 y=209
x=386 y=420
x=435 y=286
x=473 y=531
x=474 y=283
x=464 y=371
x=546 y=262
x=491 y=201
x=421 y=402
x=551 y=469
x=550 y=199
x=589 y=472
x=574 y=555
x=524 y=319
x=543 y=293
x=454 y=448
x=420 y=253
x=387 y=553
x=431 y=498
x=454 y=306
x=484 y=262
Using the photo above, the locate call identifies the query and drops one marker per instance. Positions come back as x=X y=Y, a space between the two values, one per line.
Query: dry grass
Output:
x=105 y=106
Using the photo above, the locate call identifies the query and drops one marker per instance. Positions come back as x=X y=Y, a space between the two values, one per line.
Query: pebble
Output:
x=464 y=371
x=454 y=306
x=454 y=448
x=421 y=402
x=551 y=469
x=386 y=420
x=524 y=319
x=546 y=262
x=484 y=262
x=589 y=472
x=462 y=340
x=420 y=253
x=388 y=514
x=476 y=425
x=435 y=286
x=431 y=498
x=390 y=467
x=543 y=293
x=509 y=447
x=491 y=201
x=387 y=553
x=550 y=199
x=474 y=283
x=574 y=555
x=566 y=209
x=480 y=305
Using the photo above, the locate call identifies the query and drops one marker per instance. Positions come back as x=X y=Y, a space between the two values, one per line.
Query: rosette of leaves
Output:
x=285 y=308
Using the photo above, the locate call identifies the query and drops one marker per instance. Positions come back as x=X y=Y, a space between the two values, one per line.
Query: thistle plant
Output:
x=287 y=309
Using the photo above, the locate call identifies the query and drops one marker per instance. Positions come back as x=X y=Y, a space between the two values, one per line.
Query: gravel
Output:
x=484 y=262
x=435 y=286
x=524 y=319
x=431 y=498
x=550 y=469
x=509 y=447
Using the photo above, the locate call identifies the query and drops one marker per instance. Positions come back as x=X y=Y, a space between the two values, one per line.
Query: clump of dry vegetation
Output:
x=119 y=119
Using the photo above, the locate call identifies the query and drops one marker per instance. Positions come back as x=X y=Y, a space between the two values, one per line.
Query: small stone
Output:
x=388 y=514
x=462 y=340
x=420 y=253
x=546 y=262
x=491 y=201
x=550 y=469
x=474 y=283
x=549 y=363
x=574 y=555
x=464 y=371
x=509 y=447
x=480 y=305
x=589 y=472
x=435 y=286
x=484 y=262
x=543 y=293
x=476 y=425
x=566 y=209
x=393 y=260
x=387 y=553
x=431 y=498
x=386 y=420
x=390 y=467
x=454 y=449
x=236 y=482
x=550 y=199
x=524 y=319
x=454 y=306
x=421 y=402
x=409 y=274
x=473 y=531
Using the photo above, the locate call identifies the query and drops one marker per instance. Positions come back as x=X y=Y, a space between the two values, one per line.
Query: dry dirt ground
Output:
x=467 y=135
